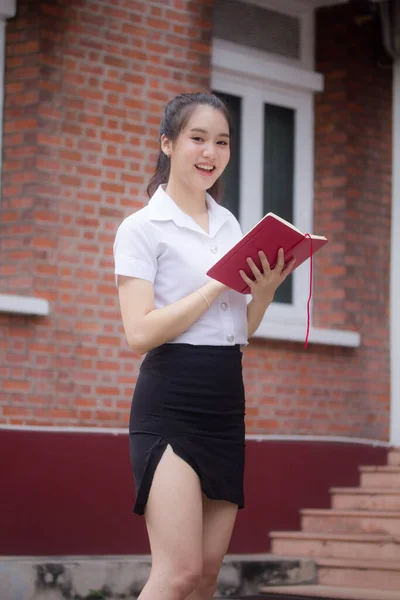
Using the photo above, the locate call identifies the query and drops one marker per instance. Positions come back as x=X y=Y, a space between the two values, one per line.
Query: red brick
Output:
x=47 y=140
x=71 y=155
x=83 y=170
x=114 y=163
x=16 y=386
x=157 y=24
x=70 y=181
x=179 y=17
x=16 y=411
x=20 y=125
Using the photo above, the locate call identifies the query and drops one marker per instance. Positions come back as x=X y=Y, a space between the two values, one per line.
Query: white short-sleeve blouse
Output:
x=164 y=245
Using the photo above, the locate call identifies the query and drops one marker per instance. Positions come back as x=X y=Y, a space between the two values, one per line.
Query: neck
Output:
x=191 y=201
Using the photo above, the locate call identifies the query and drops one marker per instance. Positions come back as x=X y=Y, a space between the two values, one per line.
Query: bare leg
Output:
x=218 y=521
x=174 y=524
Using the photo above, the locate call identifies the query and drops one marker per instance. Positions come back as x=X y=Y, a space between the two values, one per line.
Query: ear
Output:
x=166 y=145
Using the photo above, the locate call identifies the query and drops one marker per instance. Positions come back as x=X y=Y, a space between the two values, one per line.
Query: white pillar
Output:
x=8 y=8
x=395 y=267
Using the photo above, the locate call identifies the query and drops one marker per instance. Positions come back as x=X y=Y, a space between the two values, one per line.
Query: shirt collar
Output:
x=163 y=208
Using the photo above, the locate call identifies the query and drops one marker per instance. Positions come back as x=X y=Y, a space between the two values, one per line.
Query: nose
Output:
x=209 y=151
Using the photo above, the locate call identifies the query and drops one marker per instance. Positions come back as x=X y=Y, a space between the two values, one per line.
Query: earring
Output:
x=166 y=154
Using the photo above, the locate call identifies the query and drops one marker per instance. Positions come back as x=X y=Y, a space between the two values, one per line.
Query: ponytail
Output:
x=161 y=174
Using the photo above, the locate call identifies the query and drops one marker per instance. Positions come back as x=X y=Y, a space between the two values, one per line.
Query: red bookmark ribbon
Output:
x=307 y=235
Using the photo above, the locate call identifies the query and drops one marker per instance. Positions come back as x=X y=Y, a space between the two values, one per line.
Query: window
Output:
x=278 y=167
x=278 y=172
x=260 y=27
x=271 y=169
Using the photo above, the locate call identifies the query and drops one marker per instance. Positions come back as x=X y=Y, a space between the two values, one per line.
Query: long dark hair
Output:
x=176 y=114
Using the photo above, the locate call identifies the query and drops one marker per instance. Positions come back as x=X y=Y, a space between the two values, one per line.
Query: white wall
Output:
x=7 y=8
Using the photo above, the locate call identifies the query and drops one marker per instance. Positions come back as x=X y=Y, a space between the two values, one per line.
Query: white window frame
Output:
x=258 y=80
x=2 y=69
x=10 y=303
x=8 y=10
x=304 y=11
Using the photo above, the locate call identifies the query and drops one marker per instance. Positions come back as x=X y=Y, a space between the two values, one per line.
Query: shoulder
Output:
x=140 y=217
x=135 y=231
x=136 y=223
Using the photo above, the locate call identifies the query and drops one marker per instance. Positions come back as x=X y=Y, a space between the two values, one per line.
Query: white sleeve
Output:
x=135 y=251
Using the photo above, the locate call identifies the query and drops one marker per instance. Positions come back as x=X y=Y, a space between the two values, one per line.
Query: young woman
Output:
x=186 y=428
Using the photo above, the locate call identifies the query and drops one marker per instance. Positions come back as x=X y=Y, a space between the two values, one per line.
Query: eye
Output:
x=197 y=139
x=223 y=143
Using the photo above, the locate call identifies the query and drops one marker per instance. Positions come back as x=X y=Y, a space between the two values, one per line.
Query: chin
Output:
x=207 y=185
x=204 y=184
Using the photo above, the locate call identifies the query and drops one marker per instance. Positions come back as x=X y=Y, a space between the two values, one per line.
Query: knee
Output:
x=209 y=577
x=185 y=579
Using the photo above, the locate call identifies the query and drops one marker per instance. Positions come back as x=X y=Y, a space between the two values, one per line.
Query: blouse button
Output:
x=224 y=306
x=230 y=337
x=213 y=249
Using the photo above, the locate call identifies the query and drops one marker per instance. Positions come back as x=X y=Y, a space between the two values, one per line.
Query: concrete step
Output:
x=330 y=592
x=385 y=477
x=58 y=577
x=376 y=574
x=335 y=545
x=394 y=457
x=366 y=498
x=350 y=521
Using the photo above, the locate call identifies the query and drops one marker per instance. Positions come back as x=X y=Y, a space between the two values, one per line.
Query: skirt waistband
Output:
x=171 y=356
x=194 y=349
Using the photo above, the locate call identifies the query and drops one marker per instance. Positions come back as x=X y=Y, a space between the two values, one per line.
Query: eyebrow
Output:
x=199 y=130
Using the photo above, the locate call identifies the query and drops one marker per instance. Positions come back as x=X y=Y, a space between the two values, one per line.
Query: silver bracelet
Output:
x=201 y=294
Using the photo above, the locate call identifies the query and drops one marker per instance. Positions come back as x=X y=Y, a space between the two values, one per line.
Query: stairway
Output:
x=356 y=543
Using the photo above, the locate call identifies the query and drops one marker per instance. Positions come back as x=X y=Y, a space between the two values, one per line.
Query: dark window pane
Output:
x=262 y=28
x=231 y=175
x=279 y=134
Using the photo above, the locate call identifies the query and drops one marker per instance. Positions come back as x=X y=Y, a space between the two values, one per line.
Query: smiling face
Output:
x=201 y=152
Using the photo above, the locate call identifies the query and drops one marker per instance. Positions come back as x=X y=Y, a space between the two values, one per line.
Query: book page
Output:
x=318 y=237
x=314 y=237
x=285 y=222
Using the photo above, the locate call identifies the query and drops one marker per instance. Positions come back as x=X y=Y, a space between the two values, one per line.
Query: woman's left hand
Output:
x=267 y=281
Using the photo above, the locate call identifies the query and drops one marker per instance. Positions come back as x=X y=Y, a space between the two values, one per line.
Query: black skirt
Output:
x=191 y=397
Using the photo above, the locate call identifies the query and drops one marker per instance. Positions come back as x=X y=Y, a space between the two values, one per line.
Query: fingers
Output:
x=288 y=268
x=280 y=269
x=254 y=269
x=280 y=263
x=264 y=261
x=245 y=278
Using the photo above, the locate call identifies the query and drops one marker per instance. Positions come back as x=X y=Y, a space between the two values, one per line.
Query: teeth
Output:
x=205 y=168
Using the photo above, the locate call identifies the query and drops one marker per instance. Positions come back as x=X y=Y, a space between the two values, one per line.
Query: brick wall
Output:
x=85 y=84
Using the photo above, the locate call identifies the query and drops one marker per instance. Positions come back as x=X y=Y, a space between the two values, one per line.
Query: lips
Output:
x=205 y=169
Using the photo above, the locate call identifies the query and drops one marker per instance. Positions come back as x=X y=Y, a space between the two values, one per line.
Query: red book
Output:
x=270 y=234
